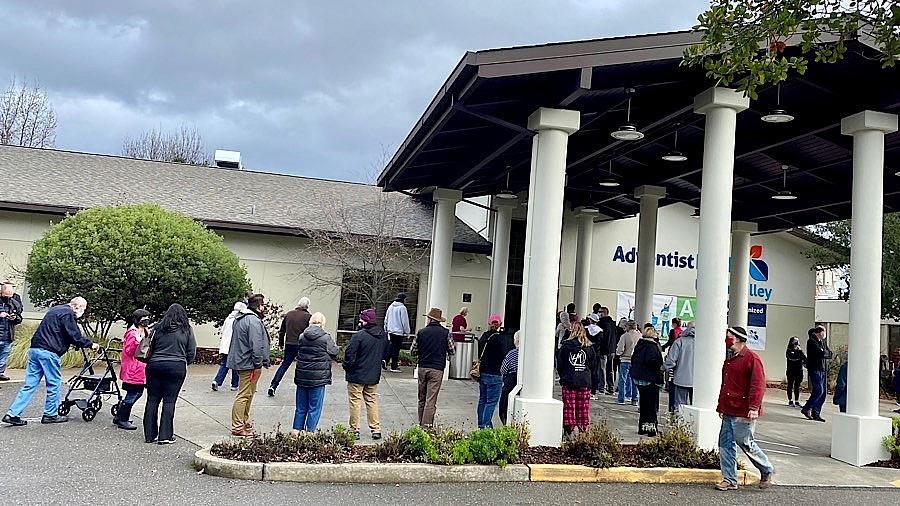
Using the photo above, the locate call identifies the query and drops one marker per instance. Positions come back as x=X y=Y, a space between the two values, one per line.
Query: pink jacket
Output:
x=132 y=370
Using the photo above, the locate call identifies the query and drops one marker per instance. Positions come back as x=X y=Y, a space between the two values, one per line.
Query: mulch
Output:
x=891 y=464
x=366 y=453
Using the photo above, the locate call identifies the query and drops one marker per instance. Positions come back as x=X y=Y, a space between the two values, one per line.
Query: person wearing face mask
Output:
x=740 y=405
x=817 y=353
x=132 y=371
x=10 y=316
x=249 y=353
x=57 y=331
x=492 y=350
x=794 y=373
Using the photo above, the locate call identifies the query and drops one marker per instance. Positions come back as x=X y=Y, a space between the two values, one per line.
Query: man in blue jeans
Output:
x=817 y=353
x=740 y=405
x=57 y=331
x=10 y=316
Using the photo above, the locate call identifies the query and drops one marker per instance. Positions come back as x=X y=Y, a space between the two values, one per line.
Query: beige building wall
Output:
x=276 y=266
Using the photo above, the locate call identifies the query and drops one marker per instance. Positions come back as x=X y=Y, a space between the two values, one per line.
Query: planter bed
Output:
x=404 y=472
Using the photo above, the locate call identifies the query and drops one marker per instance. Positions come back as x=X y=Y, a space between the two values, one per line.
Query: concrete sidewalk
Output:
x=799 y=448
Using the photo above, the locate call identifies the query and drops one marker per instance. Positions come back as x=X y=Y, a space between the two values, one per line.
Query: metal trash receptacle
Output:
x=461 y=360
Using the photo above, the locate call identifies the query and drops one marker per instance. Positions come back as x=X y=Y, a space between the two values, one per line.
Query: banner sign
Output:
x=756 y=326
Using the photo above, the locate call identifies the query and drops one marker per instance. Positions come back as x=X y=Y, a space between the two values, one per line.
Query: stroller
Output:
x=98 y=386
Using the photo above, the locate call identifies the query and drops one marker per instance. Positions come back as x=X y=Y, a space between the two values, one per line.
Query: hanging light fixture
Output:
x=784 y=194
x=777 y=115
x=674 y=155
x=628 y=131
x=506 y=194
x=610 y=180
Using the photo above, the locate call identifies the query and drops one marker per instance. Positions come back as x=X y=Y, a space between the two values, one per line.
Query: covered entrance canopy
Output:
x=474 y=131
x=539 y=119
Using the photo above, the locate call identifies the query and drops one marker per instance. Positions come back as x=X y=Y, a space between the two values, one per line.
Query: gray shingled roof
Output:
x=64 y=180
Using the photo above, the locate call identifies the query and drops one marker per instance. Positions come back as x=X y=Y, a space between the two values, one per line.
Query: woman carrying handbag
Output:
x=493 y=349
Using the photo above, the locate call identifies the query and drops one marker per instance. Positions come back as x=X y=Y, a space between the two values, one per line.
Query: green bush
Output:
x=321 y=446
x=18 y=356
x=892 y=443
x=675 y=447
x=597 y=444
x=126 y=257
x=498 y=446
x=407 y=359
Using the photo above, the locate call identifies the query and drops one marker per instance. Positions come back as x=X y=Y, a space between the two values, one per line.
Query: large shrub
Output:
x=597 y=444
x=442 y=446
x=675 y=447
x=127 y=257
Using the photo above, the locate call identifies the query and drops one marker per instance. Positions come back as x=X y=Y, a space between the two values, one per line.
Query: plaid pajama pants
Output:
x=576 y=407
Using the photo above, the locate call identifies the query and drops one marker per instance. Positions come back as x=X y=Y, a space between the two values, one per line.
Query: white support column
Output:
x=442 y=248
x=738 y=288
x=536 y=405
x=585 y=217
x=500 y=253
x=646 y=251
x=856 y=435
x=720 y=105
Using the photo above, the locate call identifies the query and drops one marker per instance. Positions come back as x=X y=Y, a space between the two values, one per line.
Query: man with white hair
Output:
x=10 y=316
x=292 y=326
x=57 y=331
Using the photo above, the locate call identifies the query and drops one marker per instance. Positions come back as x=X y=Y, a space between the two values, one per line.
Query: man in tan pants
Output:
x=362 y=363
x=248 y=354
x=432 y=346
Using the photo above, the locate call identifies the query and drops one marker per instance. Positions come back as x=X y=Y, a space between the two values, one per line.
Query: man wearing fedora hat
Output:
x=740 y=405
x=432 y=345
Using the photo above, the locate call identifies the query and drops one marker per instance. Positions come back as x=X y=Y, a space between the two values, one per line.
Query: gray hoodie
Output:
x=396 y=320
x=249 y=343
x=681 y=359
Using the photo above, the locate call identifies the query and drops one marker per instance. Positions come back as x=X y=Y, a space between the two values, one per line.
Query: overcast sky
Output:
x=313 y=88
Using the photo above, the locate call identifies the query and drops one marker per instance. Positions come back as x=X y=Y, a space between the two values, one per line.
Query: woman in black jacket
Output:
x=492 y=350
x=172 y=348
x=574 y=361
x=315 y=351
x=795 y=361
x=646 y=372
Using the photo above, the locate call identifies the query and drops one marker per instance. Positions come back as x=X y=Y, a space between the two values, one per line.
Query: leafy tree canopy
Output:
x=836 y=254
x=140 y=256
x=745 y=41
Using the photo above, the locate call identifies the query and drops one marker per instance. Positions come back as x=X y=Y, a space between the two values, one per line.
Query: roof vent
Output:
x=228 y=159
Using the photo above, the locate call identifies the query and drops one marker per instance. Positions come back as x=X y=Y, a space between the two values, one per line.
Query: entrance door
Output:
x=513 y=307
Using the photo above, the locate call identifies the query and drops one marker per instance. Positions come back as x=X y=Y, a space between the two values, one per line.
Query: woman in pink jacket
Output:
x=132 y=371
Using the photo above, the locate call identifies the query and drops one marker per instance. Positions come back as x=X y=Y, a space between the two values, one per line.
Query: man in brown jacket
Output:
x=292 y=326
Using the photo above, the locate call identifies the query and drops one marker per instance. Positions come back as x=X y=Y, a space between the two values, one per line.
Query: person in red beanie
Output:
x=362 y=363
x=740 y=405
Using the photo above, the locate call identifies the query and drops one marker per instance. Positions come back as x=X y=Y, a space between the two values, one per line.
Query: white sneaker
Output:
x=594 y=397
x=395 y=370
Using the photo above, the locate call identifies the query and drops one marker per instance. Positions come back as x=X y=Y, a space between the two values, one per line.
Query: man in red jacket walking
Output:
x=740 y=404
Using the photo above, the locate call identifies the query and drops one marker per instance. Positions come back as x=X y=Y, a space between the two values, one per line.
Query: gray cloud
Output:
x=312 y=88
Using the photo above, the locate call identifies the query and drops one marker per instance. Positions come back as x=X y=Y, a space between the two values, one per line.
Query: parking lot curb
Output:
x=564 y=473
x=372 y=472
x=226 y=468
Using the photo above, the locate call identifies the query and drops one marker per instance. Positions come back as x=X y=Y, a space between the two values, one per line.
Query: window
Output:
x=352 y=300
